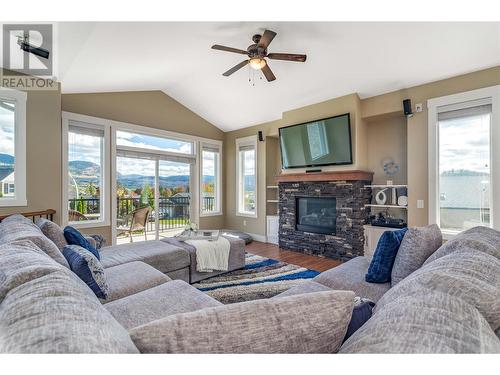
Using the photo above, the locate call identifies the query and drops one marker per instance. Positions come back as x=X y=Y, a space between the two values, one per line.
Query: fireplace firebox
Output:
x=316 y=214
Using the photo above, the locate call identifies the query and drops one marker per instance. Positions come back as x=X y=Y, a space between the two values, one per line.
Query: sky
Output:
x=6 y=131
x=464 y=144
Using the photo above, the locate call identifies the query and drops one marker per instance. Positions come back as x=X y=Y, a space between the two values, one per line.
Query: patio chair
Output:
x=138 y=221
x=76 y=216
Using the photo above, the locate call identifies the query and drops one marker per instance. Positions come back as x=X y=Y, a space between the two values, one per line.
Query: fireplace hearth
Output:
x=324 y=218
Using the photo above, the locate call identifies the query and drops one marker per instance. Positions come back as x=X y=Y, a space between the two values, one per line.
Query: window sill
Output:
x=209 y=214
x=245 y=214
x=92 y=224
x=6 y=202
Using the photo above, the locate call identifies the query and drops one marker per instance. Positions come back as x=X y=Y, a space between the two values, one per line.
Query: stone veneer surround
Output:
x=348 y=242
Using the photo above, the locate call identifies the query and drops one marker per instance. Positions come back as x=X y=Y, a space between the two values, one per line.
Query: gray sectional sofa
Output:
x=449 y=305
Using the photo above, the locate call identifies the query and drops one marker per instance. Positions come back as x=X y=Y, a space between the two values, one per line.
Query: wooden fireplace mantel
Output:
x=354 y=175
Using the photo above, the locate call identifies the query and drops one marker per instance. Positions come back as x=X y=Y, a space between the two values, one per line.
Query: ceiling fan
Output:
x=257 y=53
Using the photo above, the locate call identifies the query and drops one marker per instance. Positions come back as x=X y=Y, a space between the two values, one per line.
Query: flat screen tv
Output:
x=317 y=143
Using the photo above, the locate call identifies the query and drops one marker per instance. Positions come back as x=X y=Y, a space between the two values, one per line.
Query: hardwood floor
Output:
x=307 y=261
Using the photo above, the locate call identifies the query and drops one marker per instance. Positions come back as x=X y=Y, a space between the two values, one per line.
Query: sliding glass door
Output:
x=174 y=200
x=153 y=197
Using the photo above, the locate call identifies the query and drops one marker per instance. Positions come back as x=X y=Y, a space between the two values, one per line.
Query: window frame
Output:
x=92 y=123
x=218 y=179
x=19 y=98
x=241 y=142
x=461 y=101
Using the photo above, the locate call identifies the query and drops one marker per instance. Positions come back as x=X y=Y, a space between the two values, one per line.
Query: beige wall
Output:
x=345 y=104
x=387 y=141
x=153 y=109
x=417 y=128
x=379 y=130
x=43 y=155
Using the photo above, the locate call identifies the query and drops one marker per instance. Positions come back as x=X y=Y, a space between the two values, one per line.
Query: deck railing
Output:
x=173 y=212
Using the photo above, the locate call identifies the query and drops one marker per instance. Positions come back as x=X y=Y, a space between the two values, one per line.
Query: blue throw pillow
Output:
x=86 y=266
x=383 y=259
x=74 y=237
x=363 y=308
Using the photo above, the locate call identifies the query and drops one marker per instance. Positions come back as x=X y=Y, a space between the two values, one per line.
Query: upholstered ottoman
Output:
x=236 y=257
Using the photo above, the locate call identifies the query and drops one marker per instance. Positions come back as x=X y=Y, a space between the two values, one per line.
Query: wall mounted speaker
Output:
x=260 y=136
x=407 y=108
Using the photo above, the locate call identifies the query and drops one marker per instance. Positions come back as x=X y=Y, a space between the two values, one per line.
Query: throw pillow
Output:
x=363 y=310
x=417 y=245
x=429 y=322
x=53 y=232
x=383 y=259
x=74 y=237
x=88 y=268
x=304 y=323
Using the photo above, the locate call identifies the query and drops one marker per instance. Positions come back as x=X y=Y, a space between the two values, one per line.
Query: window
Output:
x=246 y=157
x=210 y=180
x=12 y=147
x=462 y=138
x=86 y=172
x=150 y=142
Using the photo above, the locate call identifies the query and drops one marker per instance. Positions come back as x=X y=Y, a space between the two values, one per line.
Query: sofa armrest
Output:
x=307 y=323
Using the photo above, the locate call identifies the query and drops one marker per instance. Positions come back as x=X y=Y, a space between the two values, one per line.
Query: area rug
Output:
x=261 y=278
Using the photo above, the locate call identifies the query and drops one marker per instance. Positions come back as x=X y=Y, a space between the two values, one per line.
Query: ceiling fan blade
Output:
x=229 y=49
x=235 y=68
x=268 y=73
x=287 y=57
x=266 y=39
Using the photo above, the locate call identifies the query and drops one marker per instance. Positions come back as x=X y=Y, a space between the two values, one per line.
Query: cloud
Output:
x=464 y=143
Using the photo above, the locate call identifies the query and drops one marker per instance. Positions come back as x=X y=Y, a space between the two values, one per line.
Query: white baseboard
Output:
x=258 y=237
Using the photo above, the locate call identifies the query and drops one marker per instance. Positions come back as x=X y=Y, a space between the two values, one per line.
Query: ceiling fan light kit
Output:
x=257 y=53
x=257 y=63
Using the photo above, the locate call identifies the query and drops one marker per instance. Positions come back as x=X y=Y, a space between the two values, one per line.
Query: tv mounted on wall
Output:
x=317 y=143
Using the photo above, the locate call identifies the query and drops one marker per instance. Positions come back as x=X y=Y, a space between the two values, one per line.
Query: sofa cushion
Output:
x=383 y=258
x=467 y=274
x=171 y=298
x=158 y=254
x=307 y=323
x=308 y=286
x=351 y=276
x=53 y=232
x=417 y=245
x=54 y=314
x=482 y=239
x=427 y=322
x=22 y=228
x=74 y=237
x=88 y=268
x=21 y=261
x=46 y=309
x=130 y=278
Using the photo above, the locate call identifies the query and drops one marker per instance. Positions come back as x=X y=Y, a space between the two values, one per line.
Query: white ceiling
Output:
x=342 y=58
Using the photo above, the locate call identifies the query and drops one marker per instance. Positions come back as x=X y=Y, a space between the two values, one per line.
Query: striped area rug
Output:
x=261 y=278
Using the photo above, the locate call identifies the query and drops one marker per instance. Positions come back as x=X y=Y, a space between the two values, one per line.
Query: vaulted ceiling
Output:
x=342 y=58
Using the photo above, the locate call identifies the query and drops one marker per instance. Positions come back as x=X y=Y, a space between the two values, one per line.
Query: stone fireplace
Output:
x=324 y=213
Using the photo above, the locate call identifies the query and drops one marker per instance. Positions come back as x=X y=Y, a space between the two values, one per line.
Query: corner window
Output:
x=210 y=180
x=246 y=168
x=12 y=148
x=461 y=180
x=86 y=167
